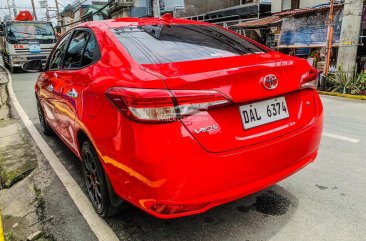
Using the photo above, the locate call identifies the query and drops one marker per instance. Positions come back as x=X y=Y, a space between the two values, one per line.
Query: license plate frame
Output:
x=264 y=112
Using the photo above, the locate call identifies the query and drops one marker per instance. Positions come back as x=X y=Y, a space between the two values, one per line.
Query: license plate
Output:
x=264 y=112
x=34 y=48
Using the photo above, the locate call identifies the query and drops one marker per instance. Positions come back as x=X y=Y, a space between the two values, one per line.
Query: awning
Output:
x=301 y=11
x=263 y=22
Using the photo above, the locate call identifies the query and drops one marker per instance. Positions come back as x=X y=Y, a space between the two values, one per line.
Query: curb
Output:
x=1 y=228
x=357 y=97
x=96 y=223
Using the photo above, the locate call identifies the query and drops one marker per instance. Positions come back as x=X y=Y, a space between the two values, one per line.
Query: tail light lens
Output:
x=310 y=79
x=158 y=105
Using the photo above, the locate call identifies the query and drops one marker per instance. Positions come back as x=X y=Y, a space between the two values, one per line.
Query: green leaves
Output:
x=345 y=83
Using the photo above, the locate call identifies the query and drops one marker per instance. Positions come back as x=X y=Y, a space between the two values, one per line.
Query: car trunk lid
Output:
x=240 y=79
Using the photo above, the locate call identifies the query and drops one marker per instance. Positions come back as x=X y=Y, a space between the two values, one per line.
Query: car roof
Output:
x=126 y=22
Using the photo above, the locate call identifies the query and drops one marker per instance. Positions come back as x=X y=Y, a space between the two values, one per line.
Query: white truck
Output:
x=22 y=41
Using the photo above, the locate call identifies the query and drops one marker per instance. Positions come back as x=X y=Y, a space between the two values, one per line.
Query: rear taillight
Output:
x=310 y=79
x=158 y=105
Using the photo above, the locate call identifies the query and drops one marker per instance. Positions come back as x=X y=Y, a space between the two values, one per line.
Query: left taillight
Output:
x=159 y=105
x=310 y=79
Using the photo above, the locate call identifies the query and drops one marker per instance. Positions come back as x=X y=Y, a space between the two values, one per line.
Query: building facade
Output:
x=121 y=8
x=200 y=7
x=142 y=8
x=348 y=45
x=283 y=5
x=225 y=13
x=82 y=11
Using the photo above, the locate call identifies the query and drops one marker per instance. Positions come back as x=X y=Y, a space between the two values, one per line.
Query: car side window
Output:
x=91 y=52
x=74 y=52
x=56 y=59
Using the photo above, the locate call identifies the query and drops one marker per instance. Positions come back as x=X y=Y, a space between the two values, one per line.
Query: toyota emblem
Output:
x=270 y=82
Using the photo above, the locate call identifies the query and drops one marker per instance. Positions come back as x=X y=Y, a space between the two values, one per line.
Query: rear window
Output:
x=153 y=44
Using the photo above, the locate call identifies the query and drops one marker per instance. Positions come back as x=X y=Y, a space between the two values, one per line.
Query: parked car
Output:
x=177 y=116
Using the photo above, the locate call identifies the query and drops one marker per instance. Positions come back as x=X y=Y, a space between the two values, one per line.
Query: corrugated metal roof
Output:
x=259 y=22
x=293 y=12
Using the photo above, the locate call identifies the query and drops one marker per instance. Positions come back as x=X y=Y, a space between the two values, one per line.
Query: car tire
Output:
x=96 y=182
x=46 y=128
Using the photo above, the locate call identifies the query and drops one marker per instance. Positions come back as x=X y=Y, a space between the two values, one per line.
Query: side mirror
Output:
x=33 y=66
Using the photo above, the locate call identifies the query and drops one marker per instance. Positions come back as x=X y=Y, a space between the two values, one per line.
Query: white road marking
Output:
x=96 y=223
x=342 y=138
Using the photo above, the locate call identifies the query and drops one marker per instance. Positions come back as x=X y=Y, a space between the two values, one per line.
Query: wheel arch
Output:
x=81 y=138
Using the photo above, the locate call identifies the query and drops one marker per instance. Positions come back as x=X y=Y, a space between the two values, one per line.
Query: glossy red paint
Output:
x=175 y=168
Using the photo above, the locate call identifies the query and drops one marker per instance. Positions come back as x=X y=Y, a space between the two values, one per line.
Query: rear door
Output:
x=75 y=78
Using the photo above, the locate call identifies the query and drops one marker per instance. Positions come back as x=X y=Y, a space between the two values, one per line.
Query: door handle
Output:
x=50 y=87
x=72 y=93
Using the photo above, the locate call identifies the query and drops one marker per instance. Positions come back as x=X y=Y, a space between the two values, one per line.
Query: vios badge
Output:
x=206 y=129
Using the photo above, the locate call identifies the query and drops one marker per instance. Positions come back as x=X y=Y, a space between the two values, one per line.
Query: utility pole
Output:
x=57 y=13
x=9 y=7
x=349 y=41
x=47 y=12
x=330 y=37
x=44 y=4
x=34 y=10
x=156 y=8
x=14 y=10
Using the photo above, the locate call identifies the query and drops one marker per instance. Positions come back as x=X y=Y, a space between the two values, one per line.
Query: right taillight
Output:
x=310 y=79
x=159 y=105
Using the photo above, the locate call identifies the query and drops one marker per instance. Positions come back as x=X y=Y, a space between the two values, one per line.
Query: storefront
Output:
x=265 y=30
x=304 y=34
x=300 y=32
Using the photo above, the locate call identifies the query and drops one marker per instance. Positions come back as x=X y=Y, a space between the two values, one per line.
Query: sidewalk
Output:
x=21 y=175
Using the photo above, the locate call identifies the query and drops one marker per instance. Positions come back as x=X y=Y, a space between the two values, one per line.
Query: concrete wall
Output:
x=310 y=3
x=197 y=7
x=351 y=23
x=277 y=4
x=140 y=3
x=170 y=4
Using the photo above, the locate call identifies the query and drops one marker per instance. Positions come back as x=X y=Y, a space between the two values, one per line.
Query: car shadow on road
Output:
x=256 y=217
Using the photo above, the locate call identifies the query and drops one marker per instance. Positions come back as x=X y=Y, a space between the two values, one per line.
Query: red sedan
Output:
x=176 y=116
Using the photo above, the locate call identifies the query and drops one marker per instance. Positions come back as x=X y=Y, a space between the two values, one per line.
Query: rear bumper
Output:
x=163 y=166
x=207 y=202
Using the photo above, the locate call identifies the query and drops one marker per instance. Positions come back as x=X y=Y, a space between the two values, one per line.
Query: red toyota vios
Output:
x=177 y=116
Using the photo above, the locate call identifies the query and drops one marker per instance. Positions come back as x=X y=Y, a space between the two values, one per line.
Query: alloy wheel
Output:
x=92 y=179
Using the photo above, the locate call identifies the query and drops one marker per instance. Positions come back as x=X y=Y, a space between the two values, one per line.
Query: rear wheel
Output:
x=95 y=181
x=46 y=129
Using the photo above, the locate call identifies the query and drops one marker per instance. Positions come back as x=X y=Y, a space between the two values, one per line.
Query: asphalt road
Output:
x=324 y=201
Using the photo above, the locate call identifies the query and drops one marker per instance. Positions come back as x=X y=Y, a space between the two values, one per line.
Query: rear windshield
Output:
x=152 y=44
